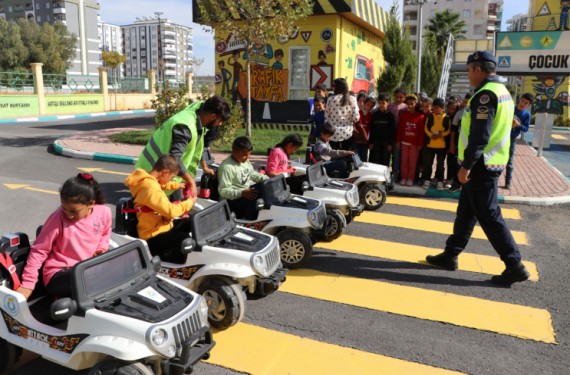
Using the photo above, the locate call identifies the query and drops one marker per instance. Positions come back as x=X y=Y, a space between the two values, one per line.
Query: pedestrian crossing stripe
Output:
x=504 y=61
x=426 y=225
x=435 y=204
x=489 y=265
x=504 y=318
x=558 y=136
x=290 y=354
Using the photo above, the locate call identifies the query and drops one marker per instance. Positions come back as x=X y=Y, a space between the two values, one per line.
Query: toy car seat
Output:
x=125 y=218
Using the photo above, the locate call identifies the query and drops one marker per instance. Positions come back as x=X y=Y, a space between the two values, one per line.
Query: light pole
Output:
x=420 y=42
x=159 y=42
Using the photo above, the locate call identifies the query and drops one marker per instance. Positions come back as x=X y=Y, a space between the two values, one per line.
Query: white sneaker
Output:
x=426 y=184
x=439 y=186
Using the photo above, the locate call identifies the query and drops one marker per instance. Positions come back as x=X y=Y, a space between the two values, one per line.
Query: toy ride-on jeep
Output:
x=341 y=199
x=122 y=316
x=295 y=220
x=372 y=180
x=219 y=260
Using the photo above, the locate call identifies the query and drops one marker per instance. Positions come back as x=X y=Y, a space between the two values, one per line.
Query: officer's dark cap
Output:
x=482 y=56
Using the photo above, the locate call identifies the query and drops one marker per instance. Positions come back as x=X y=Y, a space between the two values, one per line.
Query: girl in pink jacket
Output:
x=78 y=230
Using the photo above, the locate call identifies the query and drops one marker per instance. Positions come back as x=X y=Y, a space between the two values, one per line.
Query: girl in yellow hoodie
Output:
x=156 y=212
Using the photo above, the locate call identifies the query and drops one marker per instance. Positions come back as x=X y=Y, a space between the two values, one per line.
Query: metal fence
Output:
x=129 y=85
x=16 y=83
x=71 y=84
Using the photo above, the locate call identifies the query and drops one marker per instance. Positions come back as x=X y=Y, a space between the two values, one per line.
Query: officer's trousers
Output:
x=478 y=203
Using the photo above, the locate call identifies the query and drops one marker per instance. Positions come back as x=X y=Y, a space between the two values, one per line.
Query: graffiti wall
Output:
x=288 y=70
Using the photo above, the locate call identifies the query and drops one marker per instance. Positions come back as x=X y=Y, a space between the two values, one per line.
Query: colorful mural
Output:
x=551 y=91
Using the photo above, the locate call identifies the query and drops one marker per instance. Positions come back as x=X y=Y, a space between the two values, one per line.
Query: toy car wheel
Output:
x=226 y=302
x=115 y=366
x=9 y=355
x=335 y=224
x=296 y=248
x=372 y=196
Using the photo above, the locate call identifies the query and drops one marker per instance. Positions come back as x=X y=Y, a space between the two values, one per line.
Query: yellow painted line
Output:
x=426 y=225
x=508 y=213
x=491 y=265
x=558 y=136
x=504 y=318
x=28 y=187
x=101 y=170
x=280 y=353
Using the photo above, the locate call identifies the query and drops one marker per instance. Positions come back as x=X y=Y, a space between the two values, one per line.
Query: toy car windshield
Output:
x=212 y=223
x=274 y=190
x=317 y=175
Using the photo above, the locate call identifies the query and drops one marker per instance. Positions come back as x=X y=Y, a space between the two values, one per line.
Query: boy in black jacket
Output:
x=382 y=132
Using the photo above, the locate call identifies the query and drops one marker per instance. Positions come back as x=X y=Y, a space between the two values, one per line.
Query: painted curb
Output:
x=288 y=127
x=111 y=158
x=77 y=116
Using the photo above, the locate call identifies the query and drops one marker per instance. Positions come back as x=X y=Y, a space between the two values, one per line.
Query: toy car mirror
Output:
x=187 y=245
x=63 y=309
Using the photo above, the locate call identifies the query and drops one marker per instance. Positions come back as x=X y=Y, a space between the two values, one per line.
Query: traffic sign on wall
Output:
x=533 y=52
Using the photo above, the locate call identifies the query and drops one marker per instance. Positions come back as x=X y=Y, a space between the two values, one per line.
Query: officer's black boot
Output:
x=444 y=260
x=512 y=274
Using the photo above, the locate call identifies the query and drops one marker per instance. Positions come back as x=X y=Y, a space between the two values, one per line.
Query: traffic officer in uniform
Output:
x=183 y=136
x=483 y=153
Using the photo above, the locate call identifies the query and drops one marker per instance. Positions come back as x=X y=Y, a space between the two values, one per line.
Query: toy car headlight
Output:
x=387 y=175
x=259 y=264
x=158 y=337
x=203 y=307
x=352 y=198
x=313 y=219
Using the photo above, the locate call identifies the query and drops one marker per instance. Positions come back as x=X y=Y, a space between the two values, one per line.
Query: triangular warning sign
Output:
x=551 y=24
x=544 y=11
x=329 y=48
x=504 y=63
x=505 y=43
x=306 y=35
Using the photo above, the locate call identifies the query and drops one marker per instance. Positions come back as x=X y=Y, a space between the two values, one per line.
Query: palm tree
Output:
x=441 y=25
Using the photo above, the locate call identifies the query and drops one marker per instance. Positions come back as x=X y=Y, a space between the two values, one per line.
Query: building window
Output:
x=478 y=30
x=467 y=13
x=299 y=73
x=38 y=19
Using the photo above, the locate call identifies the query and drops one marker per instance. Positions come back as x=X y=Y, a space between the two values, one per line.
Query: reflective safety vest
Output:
x=496 y=153
x=161 y=141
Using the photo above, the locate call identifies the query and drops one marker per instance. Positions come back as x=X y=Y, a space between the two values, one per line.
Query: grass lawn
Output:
x=262 y=139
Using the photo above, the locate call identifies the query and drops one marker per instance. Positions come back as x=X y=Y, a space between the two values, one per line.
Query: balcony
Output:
x=59 y=10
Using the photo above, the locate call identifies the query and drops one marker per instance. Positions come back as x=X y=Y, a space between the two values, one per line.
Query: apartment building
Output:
x=111 y=40
x=483 y=17
x=80 y=17
x=158 y=44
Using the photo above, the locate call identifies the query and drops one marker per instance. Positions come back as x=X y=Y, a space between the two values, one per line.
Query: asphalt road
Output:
x=26 y=159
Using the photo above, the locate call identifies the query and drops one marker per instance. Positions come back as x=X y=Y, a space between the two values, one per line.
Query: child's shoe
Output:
x=426 y=184
x=410 y=183
x=439 y=186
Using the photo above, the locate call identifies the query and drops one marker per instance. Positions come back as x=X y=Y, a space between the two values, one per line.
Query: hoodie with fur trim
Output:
x=147 y=191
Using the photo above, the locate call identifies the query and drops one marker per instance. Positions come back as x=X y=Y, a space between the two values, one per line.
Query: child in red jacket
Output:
x=410 y=139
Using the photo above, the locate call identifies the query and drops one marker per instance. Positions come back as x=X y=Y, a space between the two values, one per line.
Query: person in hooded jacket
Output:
x=156 y=213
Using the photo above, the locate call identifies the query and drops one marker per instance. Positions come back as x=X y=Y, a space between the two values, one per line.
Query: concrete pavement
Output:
x=535 y=180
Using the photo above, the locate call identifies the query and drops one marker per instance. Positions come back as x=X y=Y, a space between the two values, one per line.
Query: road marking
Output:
x=508 y=213
x=558 y=136
x=504 y=318
x=101 y=170
x=290 y=354
x=491 y=265
x=426 y=225
x=28 y=187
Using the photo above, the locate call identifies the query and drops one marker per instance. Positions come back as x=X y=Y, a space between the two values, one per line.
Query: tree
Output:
x=398 y=55
x=441 y=25
x=252 y=21
x=430 y=67
x=14 y=52
x=113 y=59
x=52 y=45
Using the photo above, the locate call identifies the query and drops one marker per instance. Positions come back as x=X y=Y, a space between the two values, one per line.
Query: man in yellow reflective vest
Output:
x=483 y=154
x=183 y=136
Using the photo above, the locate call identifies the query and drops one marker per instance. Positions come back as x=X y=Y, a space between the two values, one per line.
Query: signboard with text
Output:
x=59 y=104
x=19 y=106
x=533 y=52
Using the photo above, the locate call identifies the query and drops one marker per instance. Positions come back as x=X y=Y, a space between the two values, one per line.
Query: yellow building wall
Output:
x=552 y=92
x=334 y=46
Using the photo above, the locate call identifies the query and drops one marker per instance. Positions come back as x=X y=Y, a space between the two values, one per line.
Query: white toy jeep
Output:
x=122 y=318
x=220 y=260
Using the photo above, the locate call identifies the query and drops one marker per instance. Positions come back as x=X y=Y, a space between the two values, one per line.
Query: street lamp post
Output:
x=159 y=42
x=420 y=43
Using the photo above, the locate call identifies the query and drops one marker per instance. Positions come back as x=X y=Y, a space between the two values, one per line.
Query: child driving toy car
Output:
x=236 y=177
x=334 y=159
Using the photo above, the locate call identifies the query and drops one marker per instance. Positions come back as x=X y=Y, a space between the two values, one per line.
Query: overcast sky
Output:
x=124 y=12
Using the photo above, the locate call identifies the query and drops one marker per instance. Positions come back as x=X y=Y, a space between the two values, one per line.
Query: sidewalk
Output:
x=535 y=180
